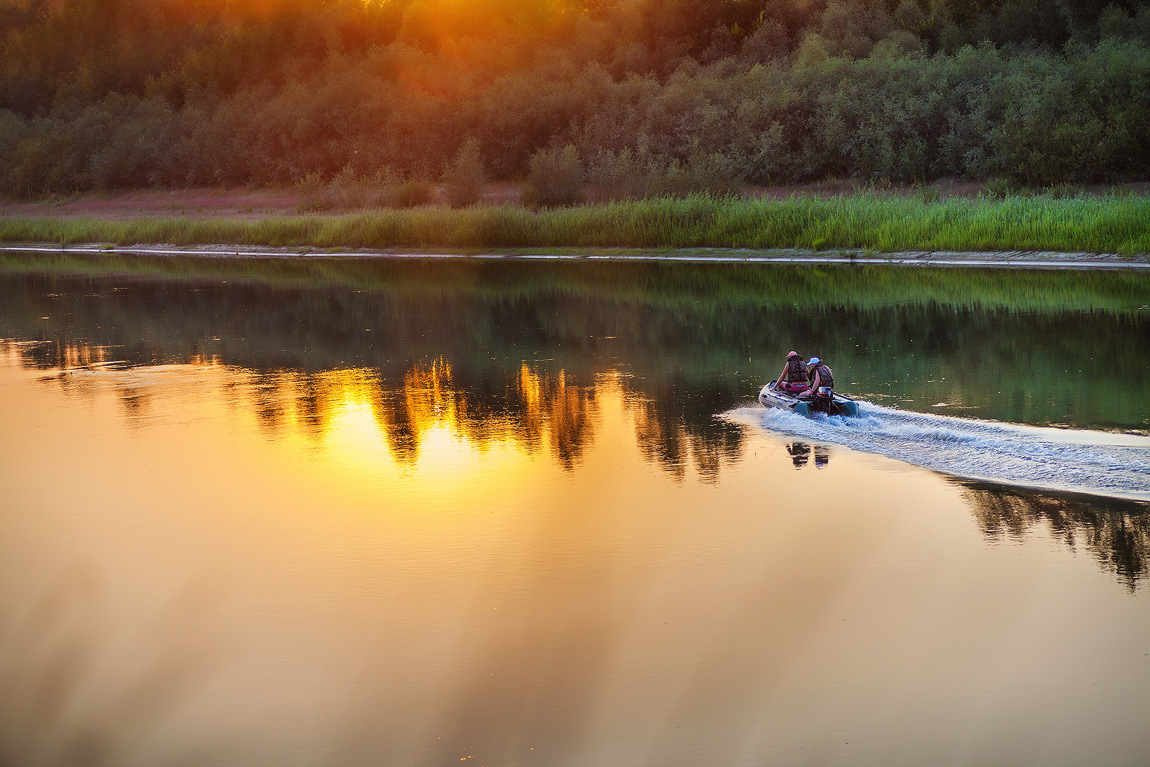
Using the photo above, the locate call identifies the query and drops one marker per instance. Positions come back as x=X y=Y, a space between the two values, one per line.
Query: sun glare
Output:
x=419 y=430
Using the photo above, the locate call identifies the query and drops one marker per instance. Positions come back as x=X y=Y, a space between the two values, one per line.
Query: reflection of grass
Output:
x=1022 y=345
x=700 y=289
x=883 y=224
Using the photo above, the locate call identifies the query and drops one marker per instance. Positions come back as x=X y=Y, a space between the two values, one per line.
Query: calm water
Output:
x=346 y=513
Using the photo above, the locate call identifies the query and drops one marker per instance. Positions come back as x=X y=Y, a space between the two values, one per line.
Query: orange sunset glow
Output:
x=655 y=97
x=398 y=383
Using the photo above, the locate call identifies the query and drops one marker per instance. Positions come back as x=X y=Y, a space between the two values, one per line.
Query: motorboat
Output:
x=770 y=396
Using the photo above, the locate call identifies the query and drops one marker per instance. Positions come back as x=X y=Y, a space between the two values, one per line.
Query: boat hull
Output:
x=769 y=396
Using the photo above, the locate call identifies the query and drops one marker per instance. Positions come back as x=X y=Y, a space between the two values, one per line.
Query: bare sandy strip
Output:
x=1009 y=259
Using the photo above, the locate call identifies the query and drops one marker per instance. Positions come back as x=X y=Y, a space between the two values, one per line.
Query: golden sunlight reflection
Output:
x=539 y=568
x=425 y=418
x=428 y=425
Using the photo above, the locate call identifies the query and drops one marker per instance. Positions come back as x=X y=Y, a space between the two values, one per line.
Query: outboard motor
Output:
x=824 y=401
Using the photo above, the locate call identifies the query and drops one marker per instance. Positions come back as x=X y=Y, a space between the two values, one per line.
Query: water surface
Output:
x=346 y=514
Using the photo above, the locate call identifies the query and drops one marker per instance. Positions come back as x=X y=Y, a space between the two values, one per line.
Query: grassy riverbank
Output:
x=1091 y=224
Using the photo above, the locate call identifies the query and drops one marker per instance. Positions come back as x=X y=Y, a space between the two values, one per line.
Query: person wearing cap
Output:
x=822 y=380
x=794 y=376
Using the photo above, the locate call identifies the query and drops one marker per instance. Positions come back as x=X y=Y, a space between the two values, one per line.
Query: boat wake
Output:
x=1098 y=463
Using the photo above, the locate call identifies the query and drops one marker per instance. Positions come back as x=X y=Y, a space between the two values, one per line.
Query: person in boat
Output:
x=794 y=376
x=822 y=380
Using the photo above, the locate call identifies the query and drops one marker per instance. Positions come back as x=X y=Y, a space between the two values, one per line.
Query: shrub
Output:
x=464 y=176
x=344 y=190
x=618 y=175
x=556 y=178
x=709 y=173
x=636 y=174
x=928 y=194
x=1000 y=188
x=413 y=193
x=348 y=190
x=309 y=185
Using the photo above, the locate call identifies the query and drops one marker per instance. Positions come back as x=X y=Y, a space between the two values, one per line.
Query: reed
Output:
x=1090 y=224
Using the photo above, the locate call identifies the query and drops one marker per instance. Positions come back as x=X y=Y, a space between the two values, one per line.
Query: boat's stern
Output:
x=769 y=396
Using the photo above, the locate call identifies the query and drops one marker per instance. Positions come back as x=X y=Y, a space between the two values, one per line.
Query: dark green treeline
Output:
x=142 y=93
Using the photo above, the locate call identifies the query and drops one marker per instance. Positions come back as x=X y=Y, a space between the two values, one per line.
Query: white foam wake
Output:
x=1092 y=462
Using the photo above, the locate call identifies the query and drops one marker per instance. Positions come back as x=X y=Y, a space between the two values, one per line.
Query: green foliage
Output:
x=464 y=177
x=348 y=190
x=1000 y=188
x=310 y=185
x=928 y=194
x=658 y=97
x=556 y=178
x=413 y=193
x=619 y=175
x=631 y=175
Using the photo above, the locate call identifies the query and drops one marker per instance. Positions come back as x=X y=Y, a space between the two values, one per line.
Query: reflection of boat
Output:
x=808 y=406
x=801 y=453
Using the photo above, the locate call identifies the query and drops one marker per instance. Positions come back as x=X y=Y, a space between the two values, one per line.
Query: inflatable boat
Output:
x=808 y=406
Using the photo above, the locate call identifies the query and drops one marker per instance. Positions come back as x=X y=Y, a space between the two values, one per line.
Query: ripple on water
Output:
x=1093 y=462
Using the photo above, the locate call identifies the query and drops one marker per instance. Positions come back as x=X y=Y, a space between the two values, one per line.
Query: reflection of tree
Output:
x=61 y=353
x=527 y=407
x=1116 y=532
x=311 y=404
x=678 y=327
x=711 y=446
x=568 y=410
x=269 y=400
x=134 y=402
x=394 y=416
x=537 y=408
x=671 y=432
x=693 y=341
x=661 y=439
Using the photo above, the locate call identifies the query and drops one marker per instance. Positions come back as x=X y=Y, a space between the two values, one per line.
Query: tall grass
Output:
x=1101 y=224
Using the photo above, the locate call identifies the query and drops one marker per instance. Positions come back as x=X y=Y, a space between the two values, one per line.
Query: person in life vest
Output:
x=822 y=380
x=794 y=375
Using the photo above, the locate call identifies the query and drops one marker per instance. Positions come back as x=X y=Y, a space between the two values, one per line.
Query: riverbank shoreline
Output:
x=793 y=256
x=1012 y=229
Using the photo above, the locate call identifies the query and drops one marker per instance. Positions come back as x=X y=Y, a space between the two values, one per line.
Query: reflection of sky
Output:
x=221 y=566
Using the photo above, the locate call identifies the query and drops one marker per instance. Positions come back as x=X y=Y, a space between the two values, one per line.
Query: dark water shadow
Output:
x=702 y=337
x=1115 y=532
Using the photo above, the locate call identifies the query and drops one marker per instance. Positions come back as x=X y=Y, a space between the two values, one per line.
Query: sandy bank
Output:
x=1007 y=259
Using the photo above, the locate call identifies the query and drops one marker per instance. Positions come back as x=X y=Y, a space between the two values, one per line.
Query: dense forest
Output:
x=631 y=97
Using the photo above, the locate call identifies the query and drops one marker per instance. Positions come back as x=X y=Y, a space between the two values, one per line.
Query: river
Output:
x=348 y=512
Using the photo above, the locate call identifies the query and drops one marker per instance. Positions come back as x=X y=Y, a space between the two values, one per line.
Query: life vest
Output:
x=826 y=378
x=796 y=372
